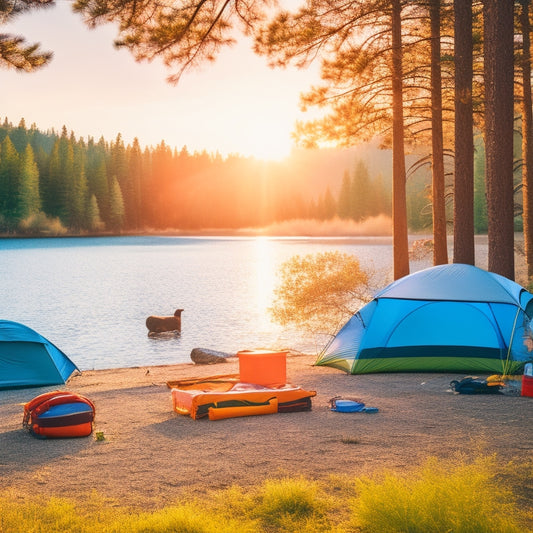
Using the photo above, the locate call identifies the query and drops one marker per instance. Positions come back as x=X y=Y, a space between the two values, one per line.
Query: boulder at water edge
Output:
x=203 y=356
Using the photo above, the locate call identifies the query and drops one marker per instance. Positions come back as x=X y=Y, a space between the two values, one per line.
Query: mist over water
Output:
x=377 y=226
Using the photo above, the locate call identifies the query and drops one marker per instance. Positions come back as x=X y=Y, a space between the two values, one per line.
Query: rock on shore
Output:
x=203 y=356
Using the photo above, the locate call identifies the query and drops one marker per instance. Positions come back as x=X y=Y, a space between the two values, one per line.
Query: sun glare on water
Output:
x=265 y=276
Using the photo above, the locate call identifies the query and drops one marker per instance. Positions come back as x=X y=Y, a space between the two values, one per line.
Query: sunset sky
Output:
x=236 y=105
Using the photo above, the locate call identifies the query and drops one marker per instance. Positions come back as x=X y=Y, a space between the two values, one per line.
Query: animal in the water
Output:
x=160 y=324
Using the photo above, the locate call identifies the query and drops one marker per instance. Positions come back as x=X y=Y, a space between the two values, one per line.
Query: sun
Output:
x=270 y=148
x=264 y=137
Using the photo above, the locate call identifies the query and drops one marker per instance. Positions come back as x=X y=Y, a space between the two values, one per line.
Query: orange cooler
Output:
x=263 y=367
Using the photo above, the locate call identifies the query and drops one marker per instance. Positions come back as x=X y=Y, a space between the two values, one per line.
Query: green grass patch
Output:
x=462 y=496
x=291 y=505
x=439 y=497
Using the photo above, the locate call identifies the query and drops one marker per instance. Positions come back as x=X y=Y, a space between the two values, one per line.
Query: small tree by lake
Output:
x=319 y=292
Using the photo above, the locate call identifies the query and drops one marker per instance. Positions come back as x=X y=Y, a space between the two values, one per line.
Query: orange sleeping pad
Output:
x=194 y=397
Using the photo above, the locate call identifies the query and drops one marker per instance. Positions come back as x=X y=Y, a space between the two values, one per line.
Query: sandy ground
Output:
x=151 y=456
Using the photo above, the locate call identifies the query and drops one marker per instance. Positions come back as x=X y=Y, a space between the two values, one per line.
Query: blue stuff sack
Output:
x=340 y=405
x=347 y=406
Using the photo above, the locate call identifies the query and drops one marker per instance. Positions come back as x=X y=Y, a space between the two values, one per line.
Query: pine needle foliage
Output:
x=15 y=53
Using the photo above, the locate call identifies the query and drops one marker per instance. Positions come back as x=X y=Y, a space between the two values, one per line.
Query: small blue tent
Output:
x=449 y=318
x=29 y=360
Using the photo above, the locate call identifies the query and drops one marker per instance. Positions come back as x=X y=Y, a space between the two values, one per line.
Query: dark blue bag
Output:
x=474 y=385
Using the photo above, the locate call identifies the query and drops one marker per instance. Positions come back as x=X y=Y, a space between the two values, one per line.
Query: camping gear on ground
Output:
x=475 y=385
x=449 y=318
x=512 y=385
x=29 y=360
x=347 y=406
x=263 y=367
x=59 y=414
x=228 y=410
x=527 y=380
x=195 y=396
x=340 y=405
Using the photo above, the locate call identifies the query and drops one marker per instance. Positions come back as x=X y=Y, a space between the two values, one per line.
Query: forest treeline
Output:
x=55 y=183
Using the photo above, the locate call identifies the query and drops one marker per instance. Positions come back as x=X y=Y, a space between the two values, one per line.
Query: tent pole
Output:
x=506 y=364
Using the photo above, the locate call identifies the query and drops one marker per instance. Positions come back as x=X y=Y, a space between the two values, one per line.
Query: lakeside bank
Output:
x=151 y=456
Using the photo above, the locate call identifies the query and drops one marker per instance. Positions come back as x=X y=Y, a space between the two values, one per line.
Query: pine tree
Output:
x=9 y=183
x=58 y=189
x=466 y=201
x=19 y=136
x=399 y=200
x=380 y=202
x=116 y=205
x=162 y=186
x=96 y=172
x=329 y=205
x=78 y=190
x=527 y=133
x=344 y=205
x=94 y=222
x=119 y=168
x=14 y=53
x=148 y=214
x=499 y=79
x=360 y=192
x=135 y=179
x=440 y=245
x=29 y=197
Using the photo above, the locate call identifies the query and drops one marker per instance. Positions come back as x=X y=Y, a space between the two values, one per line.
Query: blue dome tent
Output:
x=449 y=318
x=29 y=360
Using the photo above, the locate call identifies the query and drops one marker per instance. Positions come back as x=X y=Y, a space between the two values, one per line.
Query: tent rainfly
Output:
x=448 y=318
x=29 y=360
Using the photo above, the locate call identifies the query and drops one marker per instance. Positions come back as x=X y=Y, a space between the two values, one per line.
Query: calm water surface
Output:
x=91 y=296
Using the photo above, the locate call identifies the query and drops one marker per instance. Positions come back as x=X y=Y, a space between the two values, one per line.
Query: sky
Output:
x=237 y=105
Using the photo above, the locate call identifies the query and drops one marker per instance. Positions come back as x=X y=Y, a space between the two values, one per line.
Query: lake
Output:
x=91 y=296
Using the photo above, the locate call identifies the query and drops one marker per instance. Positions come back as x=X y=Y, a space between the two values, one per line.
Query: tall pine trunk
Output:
x=498 y=52
x=399 y=201
x=527 y=133
x=440 y=248
x=463 y=205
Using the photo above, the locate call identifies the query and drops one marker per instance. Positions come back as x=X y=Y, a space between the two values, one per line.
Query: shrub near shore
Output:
x=458 y=496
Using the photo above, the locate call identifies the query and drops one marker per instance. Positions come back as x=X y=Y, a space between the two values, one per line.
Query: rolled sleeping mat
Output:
x=268 y=408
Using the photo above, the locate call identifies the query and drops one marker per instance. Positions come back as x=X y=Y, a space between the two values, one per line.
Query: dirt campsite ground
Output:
x=152 y=456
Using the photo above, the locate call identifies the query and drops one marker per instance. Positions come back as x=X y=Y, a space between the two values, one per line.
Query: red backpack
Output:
x=59 y=414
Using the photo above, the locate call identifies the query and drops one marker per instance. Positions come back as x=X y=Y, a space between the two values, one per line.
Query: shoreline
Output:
x=152 y=456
